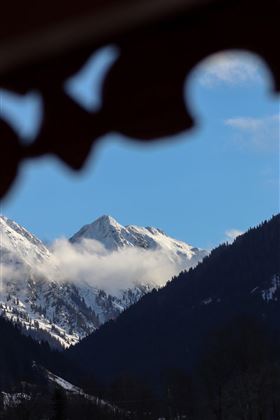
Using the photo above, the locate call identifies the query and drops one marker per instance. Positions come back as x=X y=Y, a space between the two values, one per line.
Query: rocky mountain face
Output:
x=36 y=293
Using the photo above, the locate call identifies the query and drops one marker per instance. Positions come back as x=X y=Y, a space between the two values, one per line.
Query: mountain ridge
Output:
x=114 y=236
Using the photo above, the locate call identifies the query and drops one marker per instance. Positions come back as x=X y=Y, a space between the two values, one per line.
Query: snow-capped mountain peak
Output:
x=17 y=240
x=53 y=302
x=114 y=236
x=105 y=230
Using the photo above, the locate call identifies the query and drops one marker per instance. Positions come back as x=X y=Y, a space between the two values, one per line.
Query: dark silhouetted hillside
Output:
x=171 y=328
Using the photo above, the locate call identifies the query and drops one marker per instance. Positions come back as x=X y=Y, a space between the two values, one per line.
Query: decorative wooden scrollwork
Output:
x=143 y=91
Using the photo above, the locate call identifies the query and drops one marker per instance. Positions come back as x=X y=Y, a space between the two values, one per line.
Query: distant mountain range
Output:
x=37 y=294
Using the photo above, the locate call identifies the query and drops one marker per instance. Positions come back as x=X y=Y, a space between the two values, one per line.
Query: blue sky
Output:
x=202 y=187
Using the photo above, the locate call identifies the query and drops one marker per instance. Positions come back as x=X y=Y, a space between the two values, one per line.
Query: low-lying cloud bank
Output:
x=8 y=274
x=90 y=262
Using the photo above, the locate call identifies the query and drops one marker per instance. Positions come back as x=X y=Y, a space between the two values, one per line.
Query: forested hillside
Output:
x=219 y=321
x=206 y=346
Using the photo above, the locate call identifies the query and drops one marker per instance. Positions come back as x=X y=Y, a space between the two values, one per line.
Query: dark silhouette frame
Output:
x=160 y=42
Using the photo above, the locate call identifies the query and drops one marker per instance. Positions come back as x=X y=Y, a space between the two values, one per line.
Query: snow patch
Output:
x=207 y=301
x=10 y=400
x=269 y=294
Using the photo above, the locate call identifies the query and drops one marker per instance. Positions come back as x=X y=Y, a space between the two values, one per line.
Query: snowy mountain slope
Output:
x=46 y=307
x=36 y=293
x=45 y=382
x=115 y=237
x=68 y=387
x=33 y=297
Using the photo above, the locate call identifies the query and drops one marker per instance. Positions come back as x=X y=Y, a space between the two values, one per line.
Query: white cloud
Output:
x=232 y=234
x=111 y=271
x=245 y=123
x=261 y=133
x=90 y=262
x=231 y=68
x=10 y=273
